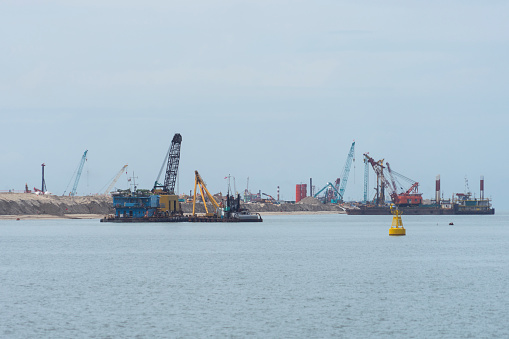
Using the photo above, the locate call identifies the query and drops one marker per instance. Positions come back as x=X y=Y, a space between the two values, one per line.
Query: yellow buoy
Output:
x=397 y=224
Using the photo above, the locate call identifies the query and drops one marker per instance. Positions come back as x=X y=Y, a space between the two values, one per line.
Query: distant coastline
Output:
x=30 y=206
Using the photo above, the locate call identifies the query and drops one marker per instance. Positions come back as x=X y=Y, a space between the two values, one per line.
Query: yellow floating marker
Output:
x=397 y=224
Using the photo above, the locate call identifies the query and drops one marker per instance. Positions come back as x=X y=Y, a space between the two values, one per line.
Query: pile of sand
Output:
x=310 y=201
x=32 y=204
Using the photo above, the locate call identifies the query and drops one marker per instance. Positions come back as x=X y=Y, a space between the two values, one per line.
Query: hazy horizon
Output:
x=271 y=90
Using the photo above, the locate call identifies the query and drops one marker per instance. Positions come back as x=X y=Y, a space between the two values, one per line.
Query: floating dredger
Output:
x=161 y=204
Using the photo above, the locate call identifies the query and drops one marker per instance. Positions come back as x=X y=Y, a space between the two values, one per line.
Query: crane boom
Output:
x=346 y=171
x=381 y=180
x=270 y=196
x=115 y=179
x=198 y=182
x=328 y=185
x=410 y=197
x=173 y=157
x=78 y=175
x=366 y=179
x=392 y=184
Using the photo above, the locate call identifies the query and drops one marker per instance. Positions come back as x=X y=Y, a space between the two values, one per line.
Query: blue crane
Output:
x=330 y=188
x=346 y=171
x=78 y=175
x=335 y=192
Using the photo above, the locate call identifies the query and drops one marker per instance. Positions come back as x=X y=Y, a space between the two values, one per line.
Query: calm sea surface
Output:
x=325 y=276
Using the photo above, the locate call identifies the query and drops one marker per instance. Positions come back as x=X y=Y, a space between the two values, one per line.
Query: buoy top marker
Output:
x=397 y=224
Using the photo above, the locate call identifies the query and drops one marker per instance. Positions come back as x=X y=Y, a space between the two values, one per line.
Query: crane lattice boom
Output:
x=115 y=180
x=410 y=196
x=346 y=171
x=173 y=157
x=78 y=175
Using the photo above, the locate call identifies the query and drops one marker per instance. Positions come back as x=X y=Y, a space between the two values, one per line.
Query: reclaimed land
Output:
x=31 y=206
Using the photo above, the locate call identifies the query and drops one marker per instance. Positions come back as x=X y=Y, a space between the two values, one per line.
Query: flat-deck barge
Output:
x=253 y=218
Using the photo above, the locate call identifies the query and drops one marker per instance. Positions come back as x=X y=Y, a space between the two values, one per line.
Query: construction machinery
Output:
x=346 y=172
x=200 y=184
x=171 y=161
x=378 y=167
x=335 y=193
x=390 y=180
x=76 y=175
x=400 y=196
x=331 y=191
x=366 y=179
x=161 y=204
x=115 y=179
x=168 y=200
x=270 y=198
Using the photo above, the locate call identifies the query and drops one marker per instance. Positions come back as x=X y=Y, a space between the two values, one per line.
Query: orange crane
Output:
x=410 y=197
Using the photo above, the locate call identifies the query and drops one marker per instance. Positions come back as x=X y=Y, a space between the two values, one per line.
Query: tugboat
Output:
x=234 y=211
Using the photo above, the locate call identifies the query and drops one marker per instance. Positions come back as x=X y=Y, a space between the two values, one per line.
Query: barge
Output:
x=463 y=204
x=145 y=206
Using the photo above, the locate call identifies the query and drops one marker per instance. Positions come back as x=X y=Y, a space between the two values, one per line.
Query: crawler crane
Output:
x=168 y=200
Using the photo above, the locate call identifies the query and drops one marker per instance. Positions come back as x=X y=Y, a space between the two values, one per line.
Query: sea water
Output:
x=305 y=276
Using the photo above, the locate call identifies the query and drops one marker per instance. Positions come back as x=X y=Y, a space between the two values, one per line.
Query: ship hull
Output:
x=244 y=218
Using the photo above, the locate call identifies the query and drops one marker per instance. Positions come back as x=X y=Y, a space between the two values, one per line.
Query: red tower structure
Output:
x=300 y=192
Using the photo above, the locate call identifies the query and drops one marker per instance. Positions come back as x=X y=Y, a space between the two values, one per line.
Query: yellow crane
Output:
x=198 y=182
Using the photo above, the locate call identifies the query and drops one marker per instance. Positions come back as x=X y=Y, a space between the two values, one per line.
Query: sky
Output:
x=271 y=90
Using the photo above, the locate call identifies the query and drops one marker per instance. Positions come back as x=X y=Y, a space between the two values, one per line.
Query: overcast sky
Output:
x=271 y=90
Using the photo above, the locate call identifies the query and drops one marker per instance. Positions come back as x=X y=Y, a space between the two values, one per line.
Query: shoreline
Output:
x=100 y=216
x=50 y=216
x=301 y=213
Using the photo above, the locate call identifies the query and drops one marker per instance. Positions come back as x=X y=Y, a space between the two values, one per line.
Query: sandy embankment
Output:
x=307 y=205
x=302 y=213
x=32 y=206
x=49 y=216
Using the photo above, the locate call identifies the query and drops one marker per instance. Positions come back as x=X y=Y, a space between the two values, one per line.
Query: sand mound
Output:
x=310 y=201
x=31 y=204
